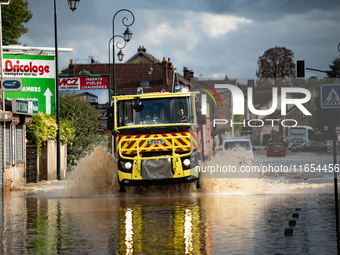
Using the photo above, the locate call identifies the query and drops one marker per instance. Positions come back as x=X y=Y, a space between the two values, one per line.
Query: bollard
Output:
x=292 y=223
x=288 y=232
x=295 y=215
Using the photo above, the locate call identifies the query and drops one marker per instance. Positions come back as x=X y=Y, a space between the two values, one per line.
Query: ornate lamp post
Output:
x=127 y=37
x=73 y=4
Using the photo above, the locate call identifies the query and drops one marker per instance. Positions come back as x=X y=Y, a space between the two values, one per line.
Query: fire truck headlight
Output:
x=126 y=165
x=186 y=162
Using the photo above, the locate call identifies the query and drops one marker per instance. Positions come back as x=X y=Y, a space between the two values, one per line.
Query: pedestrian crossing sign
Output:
x=330 y=96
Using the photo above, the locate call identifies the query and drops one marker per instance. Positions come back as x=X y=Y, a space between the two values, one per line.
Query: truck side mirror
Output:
x=109 y=111
x=110 y=122
x=110 y=117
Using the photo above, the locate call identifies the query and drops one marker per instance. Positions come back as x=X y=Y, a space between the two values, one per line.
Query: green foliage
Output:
x=67 y=132
x=101 y=140
x=13 y=17
x=85 y=121
x=335 y=67
x=79 y=122
x=44 y=128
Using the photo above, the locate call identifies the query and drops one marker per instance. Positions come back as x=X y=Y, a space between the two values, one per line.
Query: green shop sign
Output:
x=37 y=73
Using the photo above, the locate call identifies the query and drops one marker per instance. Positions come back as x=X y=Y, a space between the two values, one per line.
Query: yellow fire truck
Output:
x=158 y=137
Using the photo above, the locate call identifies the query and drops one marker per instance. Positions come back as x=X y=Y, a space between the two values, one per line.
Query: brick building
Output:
x=134 y=73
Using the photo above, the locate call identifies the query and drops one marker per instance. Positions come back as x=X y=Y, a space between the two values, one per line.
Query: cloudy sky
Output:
x=213 y=38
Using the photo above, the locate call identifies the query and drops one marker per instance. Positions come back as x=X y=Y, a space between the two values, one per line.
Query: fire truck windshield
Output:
x=155 y=111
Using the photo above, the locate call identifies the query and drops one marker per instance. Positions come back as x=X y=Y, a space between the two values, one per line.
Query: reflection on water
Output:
x=173 y=225
x=87 y=215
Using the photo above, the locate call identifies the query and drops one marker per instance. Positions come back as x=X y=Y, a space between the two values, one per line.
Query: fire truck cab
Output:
x=156 y=137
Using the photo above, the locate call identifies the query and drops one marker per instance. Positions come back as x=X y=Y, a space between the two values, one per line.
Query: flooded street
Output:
x=87 y=215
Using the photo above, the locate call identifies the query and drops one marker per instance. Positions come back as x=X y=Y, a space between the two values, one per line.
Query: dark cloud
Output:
x=182 y=30
x=269 y=9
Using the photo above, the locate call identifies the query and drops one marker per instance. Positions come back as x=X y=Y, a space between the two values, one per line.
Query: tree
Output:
x=335 y=67
x=276 y=63
x=85 y=121
x=13 y=17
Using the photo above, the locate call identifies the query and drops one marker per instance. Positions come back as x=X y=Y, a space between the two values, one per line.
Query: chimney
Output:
x=186 y=73
x=169 y=64
x=226 y=79
x=141 y=48
x=165 y=74
x=71 y=67
x=191 y=75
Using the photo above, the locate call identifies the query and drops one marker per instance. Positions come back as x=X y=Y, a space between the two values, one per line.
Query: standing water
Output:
x=232 y=213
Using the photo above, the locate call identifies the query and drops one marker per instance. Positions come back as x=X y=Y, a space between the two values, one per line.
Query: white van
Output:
x=236 y=142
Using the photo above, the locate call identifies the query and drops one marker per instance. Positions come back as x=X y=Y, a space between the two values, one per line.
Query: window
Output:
x=144 y=83
x=155 y=111
x=297 y=131
x=235 y=144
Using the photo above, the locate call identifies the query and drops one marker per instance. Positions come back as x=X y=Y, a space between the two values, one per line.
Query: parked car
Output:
x=329 y=144
x=233 y=143
x=311 y=146
x=276 y=150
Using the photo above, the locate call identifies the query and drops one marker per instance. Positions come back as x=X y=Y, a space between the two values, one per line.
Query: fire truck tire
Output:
x=122 y=189
x=198 y=186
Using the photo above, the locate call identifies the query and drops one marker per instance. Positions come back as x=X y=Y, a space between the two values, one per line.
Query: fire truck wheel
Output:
x=122 y=189
x=198 y=186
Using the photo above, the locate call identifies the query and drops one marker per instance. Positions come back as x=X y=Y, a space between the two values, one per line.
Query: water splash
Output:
x=96 y=174
x=252 y=183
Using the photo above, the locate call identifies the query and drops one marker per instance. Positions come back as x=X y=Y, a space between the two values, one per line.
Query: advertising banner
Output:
x=38 y=79
x=84 y=83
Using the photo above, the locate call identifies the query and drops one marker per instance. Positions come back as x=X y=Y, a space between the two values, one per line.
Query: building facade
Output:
x=141 y=70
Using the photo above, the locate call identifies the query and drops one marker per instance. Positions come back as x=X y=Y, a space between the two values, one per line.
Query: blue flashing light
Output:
x=139 y=90
x=177 y=88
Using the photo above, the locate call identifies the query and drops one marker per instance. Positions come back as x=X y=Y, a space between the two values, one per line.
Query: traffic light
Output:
x=300 y=68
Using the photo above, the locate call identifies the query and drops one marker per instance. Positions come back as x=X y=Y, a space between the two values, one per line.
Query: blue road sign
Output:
x=330 y=96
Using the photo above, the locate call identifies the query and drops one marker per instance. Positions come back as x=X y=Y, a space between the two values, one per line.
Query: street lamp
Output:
x=73 y=4
x=127 y=37
x=120 y=55
x=120 y=58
